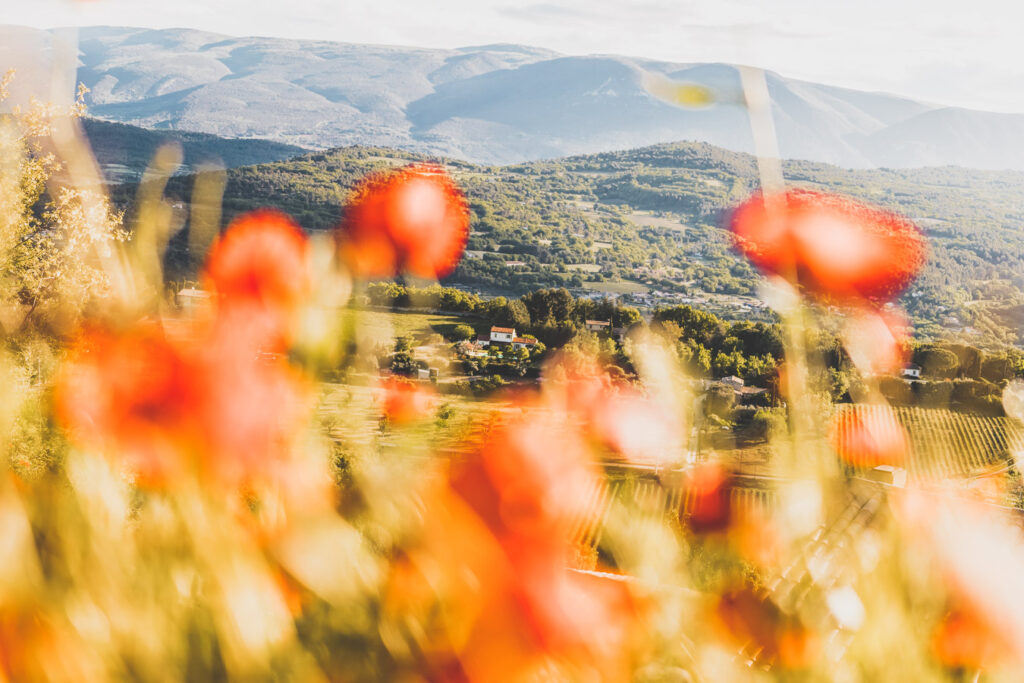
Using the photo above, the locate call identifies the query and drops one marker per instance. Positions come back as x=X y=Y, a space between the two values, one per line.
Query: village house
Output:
x=912 y=371
x=191 y=299
x=598 y=325
x=505 y=335
x=470 y=350
x=733 y=382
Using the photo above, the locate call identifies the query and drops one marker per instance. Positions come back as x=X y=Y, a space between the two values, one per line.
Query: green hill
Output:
x=123 y=151
x=648 y=219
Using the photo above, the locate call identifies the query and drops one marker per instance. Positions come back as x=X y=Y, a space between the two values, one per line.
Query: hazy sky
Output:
x=964 y=52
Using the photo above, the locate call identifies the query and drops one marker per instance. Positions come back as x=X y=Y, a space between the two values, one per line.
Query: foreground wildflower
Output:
x=132 y=395
x=259 y=270
x=162 y=408
x=835 y=248
x=708 y=506
x=402 y=401
x=869 y=438
x=503 y=525
x=412 y=219
x=757 y=623
x=964 y=640
x=211 y=399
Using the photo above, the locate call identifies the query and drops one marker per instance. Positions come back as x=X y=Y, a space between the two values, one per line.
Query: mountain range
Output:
x=496 y=104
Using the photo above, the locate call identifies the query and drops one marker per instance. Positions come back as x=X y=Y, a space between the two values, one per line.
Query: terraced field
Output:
x=947 y=444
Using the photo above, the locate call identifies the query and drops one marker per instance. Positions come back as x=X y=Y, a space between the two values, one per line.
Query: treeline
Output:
x=711 y=347
x=958 y=376
x=552 y=217
x=553 y=316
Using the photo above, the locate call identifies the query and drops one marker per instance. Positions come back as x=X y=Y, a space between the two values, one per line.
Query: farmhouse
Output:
x=598 y=325
x=191 y=299
x=503 y=334
x=912 y=371
x=734 y=382
x=506 y=335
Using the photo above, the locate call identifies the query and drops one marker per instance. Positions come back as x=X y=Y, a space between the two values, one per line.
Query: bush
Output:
x=461 y=333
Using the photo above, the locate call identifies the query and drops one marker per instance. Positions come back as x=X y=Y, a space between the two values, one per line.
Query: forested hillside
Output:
x=123 y=151
x=645 y=224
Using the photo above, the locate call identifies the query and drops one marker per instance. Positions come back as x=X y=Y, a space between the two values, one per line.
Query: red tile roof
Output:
x=505 y=330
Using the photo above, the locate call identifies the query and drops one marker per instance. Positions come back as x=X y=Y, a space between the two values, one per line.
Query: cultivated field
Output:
x=382 y=327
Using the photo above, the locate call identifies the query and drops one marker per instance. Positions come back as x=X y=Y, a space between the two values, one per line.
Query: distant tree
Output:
x=53 y=236
x=996 y=368
x=699 y=326
x=402 y=363
x=968 y=360
x=726 y=364
x=719 y=401
x=461 y=333
x=934 y=394
x=625 y=316
x=936 y=362
x=549 y=306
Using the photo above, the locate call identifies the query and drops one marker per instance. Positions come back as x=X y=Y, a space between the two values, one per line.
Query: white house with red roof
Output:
x=503 y=334
x=506 y=335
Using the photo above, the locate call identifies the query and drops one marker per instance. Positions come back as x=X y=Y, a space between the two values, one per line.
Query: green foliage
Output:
x=719 y=401
x=936 y=362
x=461 y=333
x=660 y=209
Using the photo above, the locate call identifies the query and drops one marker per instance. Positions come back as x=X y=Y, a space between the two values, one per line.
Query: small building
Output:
x=472 y=350
x=888 y=475
x=515 y=264
x=523 y=342
x=733 y=381
x=598 y=325
x=751 y=395
x=191 y=299
x=912 y=371
x=503 y=335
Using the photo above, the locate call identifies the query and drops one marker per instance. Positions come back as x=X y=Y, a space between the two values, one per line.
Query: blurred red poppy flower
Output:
x=403 y=401
x=259 y=270
x=413 y=219
x=754 y=621
x=963 y=640
x=707 y=500
x=130 y=394
x=532 y=478
x=832 y=246
x=163 y=408
x=869 y=438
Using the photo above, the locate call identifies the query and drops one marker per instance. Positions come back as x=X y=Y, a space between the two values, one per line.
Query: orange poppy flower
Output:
x=259 y=270
x=532 y=478
x=707 y=506
x=752 y=620
x=833 y=247
x=163 y=408
x=413 y=219
x=403 y=401
x=130 y=394
x=869 y=439
x=963 y=640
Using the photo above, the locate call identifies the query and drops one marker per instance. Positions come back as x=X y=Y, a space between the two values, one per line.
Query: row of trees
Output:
x=709 y=346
